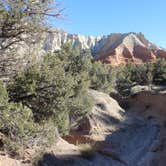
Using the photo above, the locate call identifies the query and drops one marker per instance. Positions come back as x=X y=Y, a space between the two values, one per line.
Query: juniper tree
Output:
x=25 y=20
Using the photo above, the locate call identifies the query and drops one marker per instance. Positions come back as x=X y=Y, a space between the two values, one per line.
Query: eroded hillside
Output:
x=117 y=137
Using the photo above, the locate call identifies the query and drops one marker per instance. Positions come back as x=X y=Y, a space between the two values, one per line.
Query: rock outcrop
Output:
x=123 y=138
x=114 y=49
x=56 y=38
x=131 y=47
x=106 y=116
x=149 y=102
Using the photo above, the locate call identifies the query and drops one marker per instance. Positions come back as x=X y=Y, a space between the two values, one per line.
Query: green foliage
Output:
x=142 y=74
x=40 y=136
x=86 y=73
x=16 y=122
x=125 y=78
x=3 y=96
x=25 y=20
x=102 y=77
x=45 y=88
x=55 y=89
x=77 y=65
x=159 y=72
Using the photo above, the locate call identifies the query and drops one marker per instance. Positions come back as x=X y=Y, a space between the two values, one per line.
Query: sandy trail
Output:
x=131 y=145
x=134 y=143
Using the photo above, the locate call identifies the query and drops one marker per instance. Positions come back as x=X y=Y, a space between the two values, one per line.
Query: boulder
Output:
x=106 y=116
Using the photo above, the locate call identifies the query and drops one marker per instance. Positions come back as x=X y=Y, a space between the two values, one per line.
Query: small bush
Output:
x=16 y=121
x=140 y=74
x=3 y=96
x=159 y=72
x=18 y=126
x=102 y=77
x=38 y=136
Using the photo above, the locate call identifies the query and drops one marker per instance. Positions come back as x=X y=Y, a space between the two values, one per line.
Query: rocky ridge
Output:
x=115 y=49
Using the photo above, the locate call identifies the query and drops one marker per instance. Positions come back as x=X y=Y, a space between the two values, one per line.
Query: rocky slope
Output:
x=118 y=137
x=131 y=47
x=134 y=138
x=56 y=38
x=114 y=49
x=149 y=103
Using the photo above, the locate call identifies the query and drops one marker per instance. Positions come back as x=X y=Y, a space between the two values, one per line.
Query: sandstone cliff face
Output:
x=114 y=49
x=55 y=39
x=131 y=47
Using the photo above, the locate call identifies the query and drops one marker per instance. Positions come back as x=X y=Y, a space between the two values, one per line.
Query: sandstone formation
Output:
x=149 y=102
x=120 y=136
x=114 y=49
x=56 y=38
x=106 y=116
x=130 y=47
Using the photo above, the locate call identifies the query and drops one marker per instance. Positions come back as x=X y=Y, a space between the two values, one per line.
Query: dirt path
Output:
x=130 y=146
x=133 y=143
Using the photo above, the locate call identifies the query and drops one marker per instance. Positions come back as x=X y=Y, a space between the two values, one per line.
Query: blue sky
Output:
x=102 y=17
